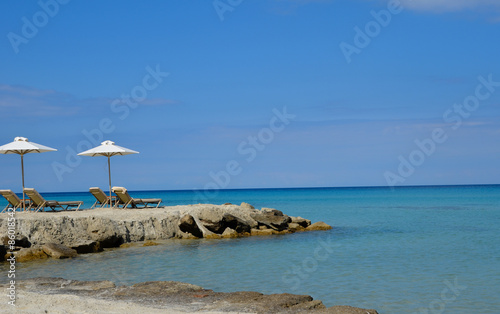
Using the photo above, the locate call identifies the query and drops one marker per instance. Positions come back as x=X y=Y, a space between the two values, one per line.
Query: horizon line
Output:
x=312 y=187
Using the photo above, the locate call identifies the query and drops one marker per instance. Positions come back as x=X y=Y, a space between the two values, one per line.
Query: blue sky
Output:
x=333 y=93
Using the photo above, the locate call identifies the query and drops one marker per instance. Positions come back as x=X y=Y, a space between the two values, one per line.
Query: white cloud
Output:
x=24 y=101
x=490 y=7
x=449 y=5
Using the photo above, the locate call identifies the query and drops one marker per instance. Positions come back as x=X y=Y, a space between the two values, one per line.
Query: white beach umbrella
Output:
x=22 y=146
x=108 y=149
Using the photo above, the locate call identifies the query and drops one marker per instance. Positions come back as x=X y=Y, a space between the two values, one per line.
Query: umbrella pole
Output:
x=22 y=172
x=109 y=175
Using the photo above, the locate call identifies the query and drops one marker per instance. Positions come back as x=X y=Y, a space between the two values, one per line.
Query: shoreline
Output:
x=65 y=234
x=48 y=295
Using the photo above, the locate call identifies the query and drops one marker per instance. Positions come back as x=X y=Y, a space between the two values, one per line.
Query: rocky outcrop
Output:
x=182 y=297
x=90 y=231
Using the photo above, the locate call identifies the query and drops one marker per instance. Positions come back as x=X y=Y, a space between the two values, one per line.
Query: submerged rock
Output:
x=319 y=226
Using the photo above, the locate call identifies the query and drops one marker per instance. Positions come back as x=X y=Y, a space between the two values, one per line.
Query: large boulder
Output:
x=188 y=224
x=294 y=227
x=230 y=233
x=29 y=254
x=214 y=226
x=55 y=250
x=246 y=206
x=227 y=221
x=235 y=223
x=272 y=218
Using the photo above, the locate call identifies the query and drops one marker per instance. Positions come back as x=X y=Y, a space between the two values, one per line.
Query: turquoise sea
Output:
x=432 y=249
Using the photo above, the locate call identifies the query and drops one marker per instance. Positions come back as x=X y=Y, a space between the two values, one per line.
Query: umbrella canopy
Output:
x=108 y=149
x=22 y=146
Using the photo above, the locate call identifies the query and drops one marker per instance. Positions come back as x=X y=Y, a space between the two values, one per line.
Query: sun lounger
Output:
x=14 y=201
x=101 y=198
x=124 y=199
x=38 y=202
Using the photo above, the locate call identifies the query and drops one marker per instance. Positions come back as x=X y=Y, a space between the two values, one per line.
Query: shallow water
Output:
x=398 y=251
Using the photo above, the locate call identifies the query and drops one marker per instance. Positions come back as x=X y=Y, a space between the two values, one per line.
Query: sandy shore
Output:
x=35 y=303
x=58 y=295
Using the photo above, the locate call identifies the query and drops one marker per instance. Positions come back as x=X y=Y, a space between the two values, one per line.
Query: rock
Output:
x=308 y=306
x=258 y=232
x=127 y=245
x=111 y=241
x=184 y=297
x=150 y=243
x=29 y=254
x=105 y=231
x=273 y=303
x=20 y=241
x=64 y=286
x=246 y=206
x=88 y=247
x=318 y=226
x=235 y=223
x=58 y=250
x=188 y=224
x=294 y=227
x=3 y=252
x=273 y=211
x=301 y=221
x=217 y=227
x=227 y=221
x=272 y=218
x=228 y=204
x=343 y=309
x=74 y=285
x=213 y=236
x=230 y=233
x=153 y=289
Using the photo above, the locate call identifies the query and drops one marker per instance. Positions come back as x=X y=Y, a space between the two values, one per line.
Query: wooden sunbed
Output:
x=124 y=199
x=38 y=202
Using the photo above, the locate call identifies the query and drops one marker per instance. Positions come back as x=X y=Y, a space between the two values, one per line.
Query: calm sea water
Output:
x=405 y=250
